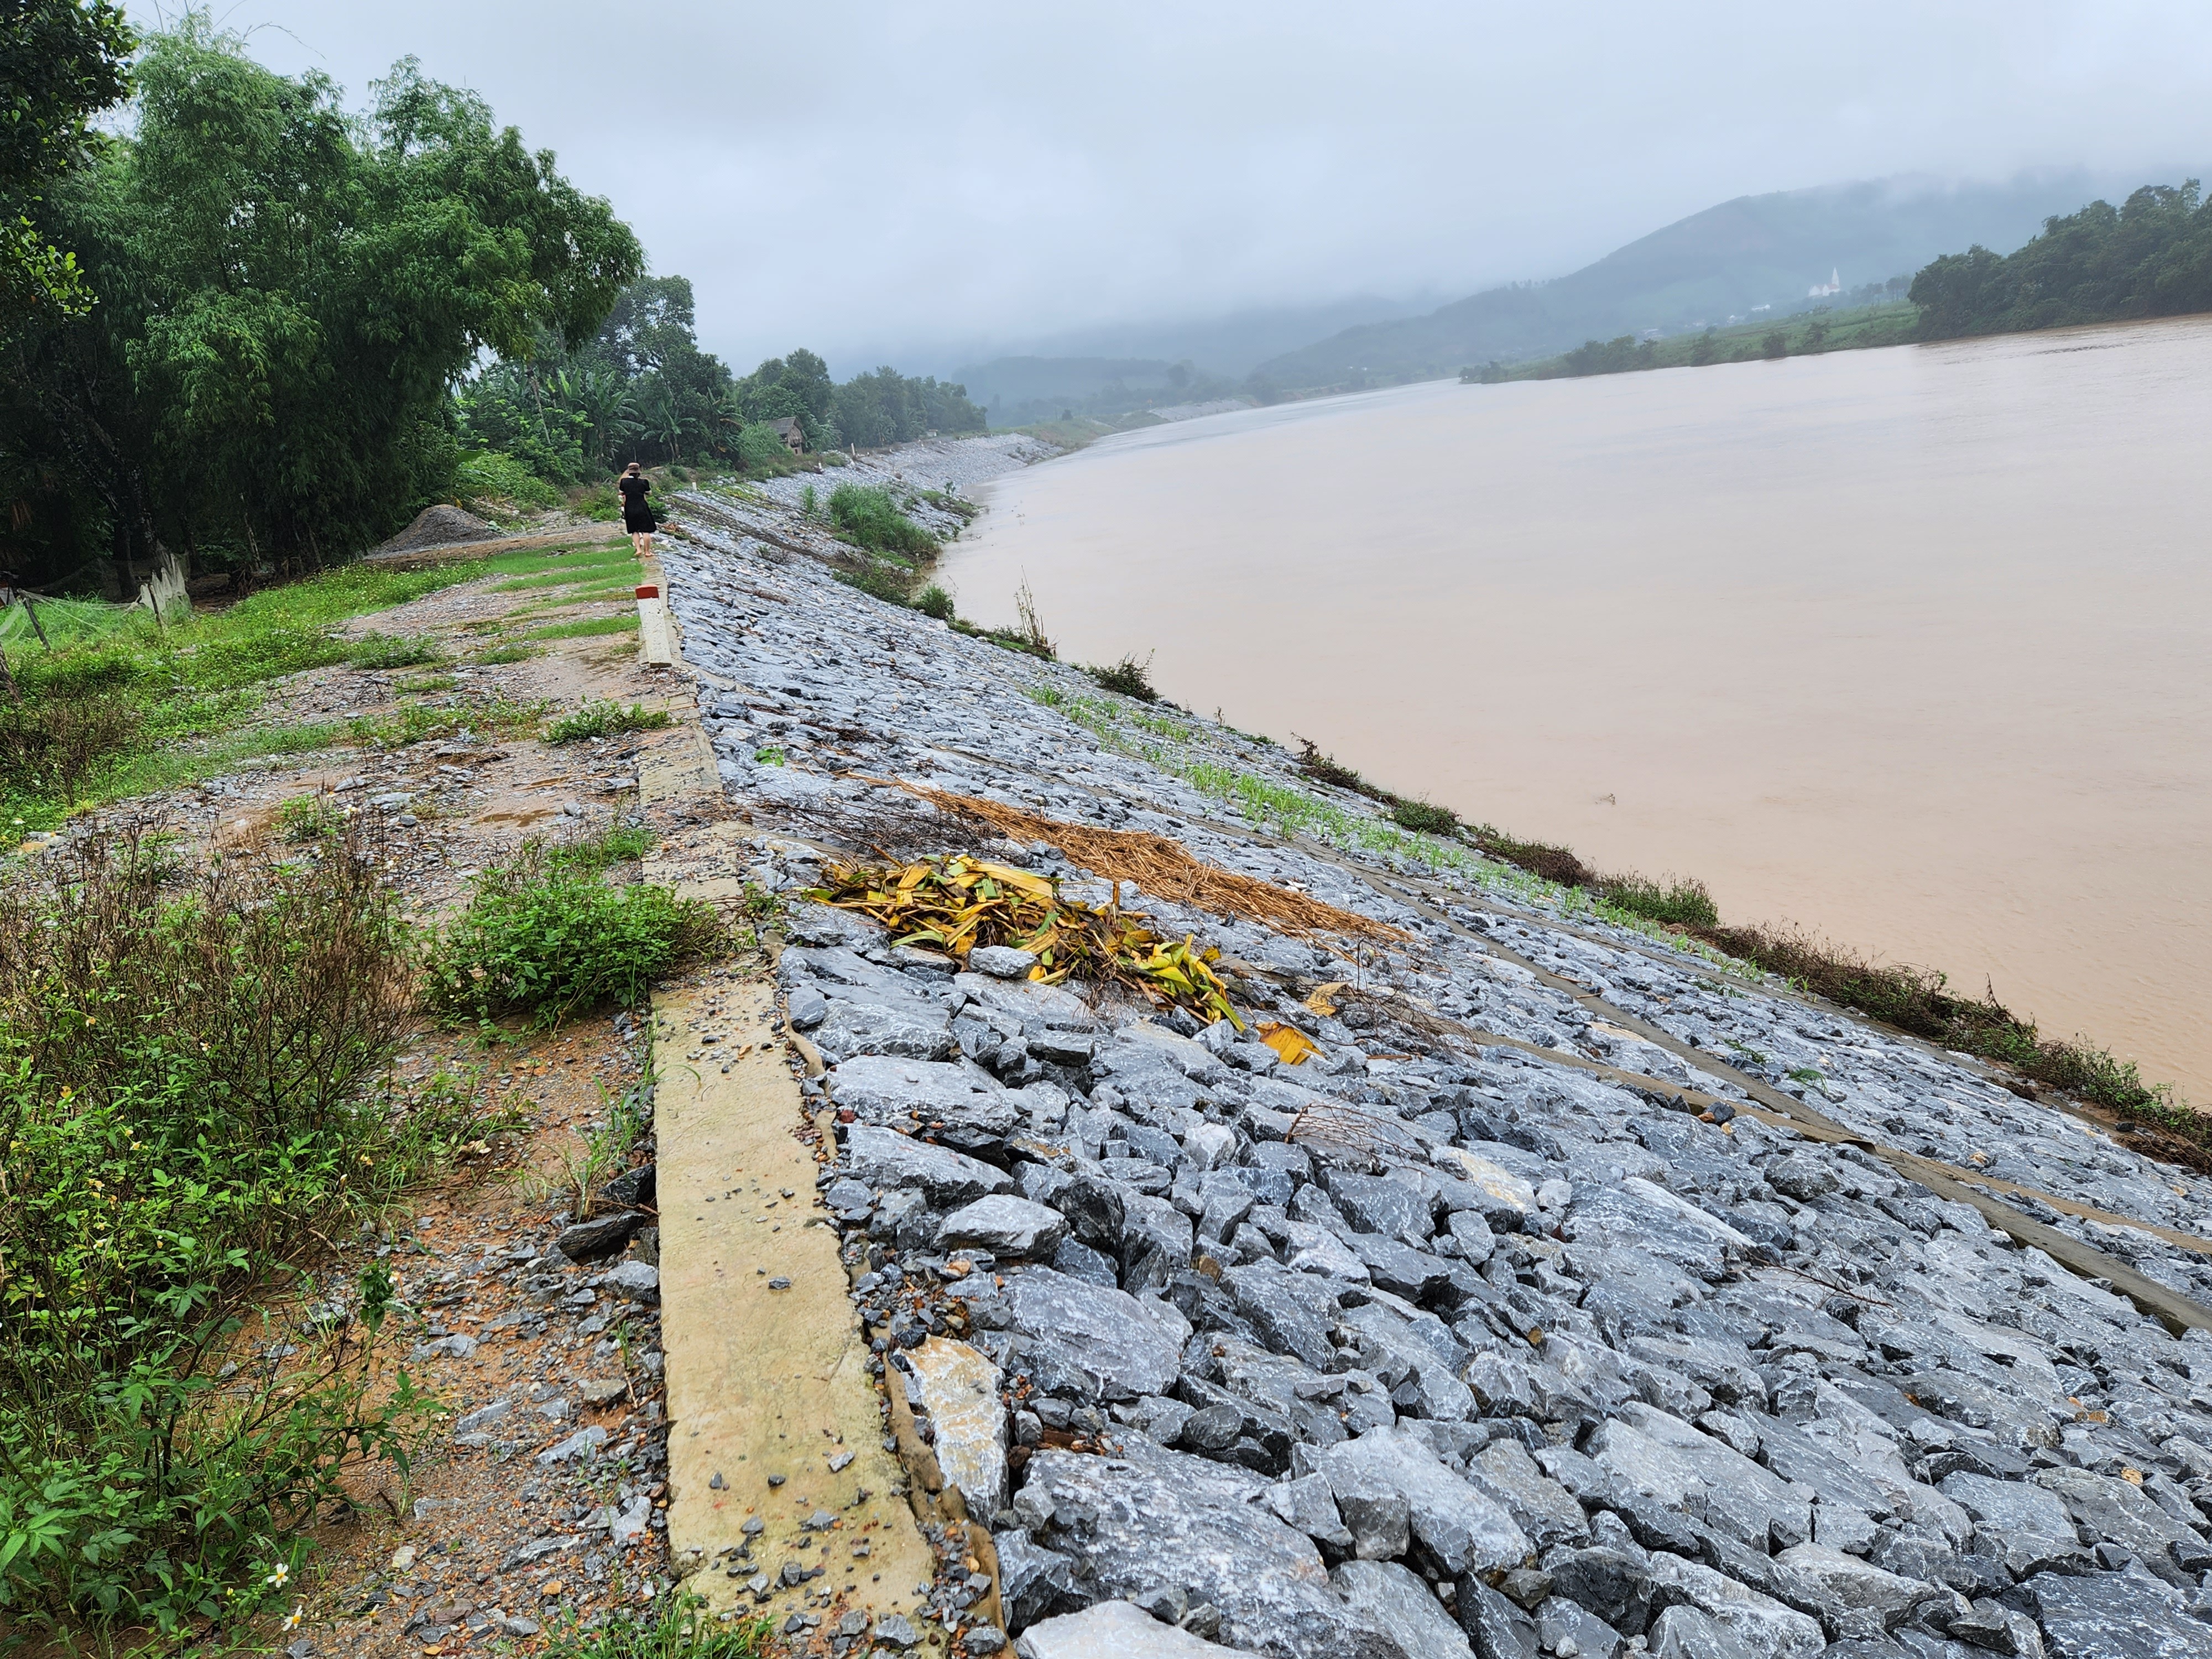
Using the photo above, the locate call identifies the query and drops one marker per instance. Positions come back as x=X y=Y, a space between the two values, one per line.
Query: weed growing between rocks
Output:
x=599 y=717
x=868 y=518
x=545 y=936
x=186 y=1109
x=383 y=651
x=681 y=1628
x=1127 y=677
x=1918 y=1000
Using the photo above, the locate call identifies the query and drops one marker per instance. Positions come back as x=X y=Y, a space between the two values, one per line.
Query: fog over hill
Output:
x=1717 y=265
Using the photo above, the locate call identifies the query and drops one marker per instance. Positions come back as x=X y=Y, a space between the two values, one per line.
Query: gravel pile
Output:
x=1427 y=1346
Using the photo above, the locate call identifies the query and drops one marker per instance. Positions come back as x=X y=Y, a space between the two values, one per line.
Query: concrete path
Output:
x=774 y=1418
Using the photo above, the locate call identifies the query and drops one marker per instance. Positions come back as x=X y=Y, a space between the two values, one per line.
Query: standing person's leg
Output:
x=645 y=545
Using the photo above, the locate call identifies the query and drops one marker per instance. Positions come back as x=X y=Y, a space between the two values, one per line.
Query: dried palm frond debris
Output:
x=1161 y=866
x=958 y=904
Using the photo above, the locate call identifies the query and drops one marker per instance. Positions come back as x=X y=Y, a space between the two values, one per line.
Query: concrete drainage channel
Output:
x=1462 y=1337
x=798 y=1488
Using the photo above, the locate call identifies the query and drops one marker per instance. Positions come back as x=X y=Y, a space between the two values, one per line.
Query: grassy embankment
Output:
x=1806 y=334
x=1676 y=912
x=123 y=705
x=196 y=1109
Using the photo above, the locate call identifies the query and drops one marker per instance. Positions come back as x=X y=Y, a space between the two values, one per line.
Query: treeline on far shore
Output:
x=2149 y=256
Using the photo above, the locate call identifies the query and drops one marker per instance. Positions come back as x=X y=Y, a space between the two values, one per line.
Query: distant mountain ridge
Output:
x=1754 y=252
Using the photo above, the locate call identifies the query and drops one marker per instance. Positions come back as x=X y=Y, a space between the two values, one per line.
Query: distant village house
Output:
x=794 y=435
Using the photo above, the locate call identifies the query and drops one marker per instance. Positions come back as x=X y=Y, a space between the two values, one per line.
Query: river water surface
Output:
x=1906 y=646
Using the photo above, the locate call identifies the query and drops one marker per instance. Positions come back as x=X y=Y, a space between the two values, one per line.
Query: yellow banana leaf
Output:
x=1290 y=1045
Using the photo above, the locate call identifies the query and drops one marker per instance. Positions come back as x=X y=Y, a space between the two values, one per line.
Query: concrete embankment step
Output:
x=784 y=1495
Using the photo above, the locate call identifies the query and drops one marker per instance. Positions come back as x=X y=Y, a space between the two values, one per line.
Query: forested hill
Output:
x=1756 y=251
x=245 y=325
x=2150 y=256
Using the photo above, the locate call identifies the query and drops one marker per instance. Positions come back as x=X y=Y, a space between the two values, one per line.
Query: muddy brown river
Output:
x=1906 y=646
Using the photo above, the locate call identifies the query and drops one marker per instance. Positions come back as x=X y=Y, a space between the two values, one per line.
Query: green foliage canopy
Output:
x=2150 y=256
x=61 y=62
x=286 y=294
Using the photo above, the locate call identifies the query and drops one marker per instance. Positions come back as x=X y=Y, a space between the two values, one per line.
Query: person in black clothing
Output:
x=637 y=511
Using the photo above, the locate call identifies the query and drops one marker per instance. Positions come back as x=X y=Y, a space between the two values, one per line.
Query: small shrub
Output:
x=590 y=627
x=598 y=500
x=616 y=844
x=384 y=651
x=867 y=516
x=1425 y=819
x=810 y=501
x=600 y=717
x=1127 y=677
x=188 y=1109
x=880 y=578
x=307 y=818
x=60 y=741
x=1680 y=901
x=1559 y=865
x=761 y=449
x=492 y=475
x=545 y=938
x=516 y=652
x=934 y=601
x=770 y=756
x=1326 y=768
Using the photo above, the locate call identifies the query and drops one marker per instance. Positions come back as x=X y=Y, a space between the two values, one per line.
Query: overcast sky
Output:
x=930 y=181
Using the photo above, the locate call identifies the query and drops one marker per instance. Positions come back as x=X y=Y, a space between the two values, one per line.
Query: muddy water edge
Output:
x=1906 y=645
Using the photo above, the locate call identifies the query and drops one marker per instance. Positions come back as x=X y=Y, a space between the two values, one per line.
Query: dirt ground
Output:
x=546 y=1505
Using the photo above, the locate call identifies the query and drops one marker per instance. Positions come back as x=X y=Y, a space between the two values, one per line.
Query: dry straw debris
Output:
x=958 y=904
x=1161 y=866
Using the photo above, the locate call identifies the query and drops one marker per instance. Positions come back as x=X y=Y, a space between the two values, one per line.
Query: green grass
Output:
x=590 y=627
x=868 y=518
x=544 y=936
x=513 y=651
x=680 y=1628
x=600 y=717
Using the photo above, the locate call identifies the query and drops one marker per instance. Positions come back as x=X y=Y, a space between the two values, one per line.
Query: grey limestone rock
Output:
x=884 y=1158
x=1388 y=1483
x=2118 y=1510
x=1495 y=1628
x=808 y=1007
x=1801 y=1175
x=2027 y=1524
x=1376 y=1203
x=1034 y=1582
x=1090 y=1340
x=1154 y=1521
x=601 y=1236
x=1294 y=1313
x=2112 y=1615
x=1002 y=962
x=1683 y=1632
x=1766 y=1628
x=1560 y=1622
x=1113 y=1630
x=1004 y=1226
x=1385 y=1596
x=1539 y=1506
x=1857 y=1598
x=1308 y=1504
x=634 y=1281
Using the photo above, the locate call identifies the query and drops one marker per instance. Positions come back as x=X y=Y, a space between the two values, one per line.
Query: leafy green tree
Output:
x=61 y=62
x=1774 y=343
x=286 y=293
